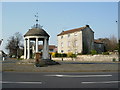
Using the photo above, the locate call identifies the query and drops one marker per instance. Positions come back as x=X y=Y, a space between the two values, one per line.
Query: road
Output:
x=60 y=80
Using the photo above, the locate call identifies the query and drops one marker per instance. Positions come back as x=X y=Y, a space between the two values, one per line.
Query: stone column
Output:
x=45 y=49
x=28 y=48
x=25 y=49
x=36 y=44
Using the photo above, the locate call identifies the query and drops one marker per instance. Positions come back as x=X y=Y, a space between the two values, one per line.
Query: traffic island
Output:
x=39 y=62
x=43 y=63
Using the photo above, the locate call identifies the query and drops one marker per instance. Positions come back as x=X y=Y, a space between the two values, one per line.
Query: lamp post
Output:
x=62 y=55
x=119 y=49
x=118 y=41
x=17 y=51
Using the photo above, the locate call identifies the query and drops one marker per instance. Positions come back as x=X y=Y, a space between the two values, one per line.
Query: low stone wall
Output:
x=60 y=59
x=29 y=61
x=91 y=58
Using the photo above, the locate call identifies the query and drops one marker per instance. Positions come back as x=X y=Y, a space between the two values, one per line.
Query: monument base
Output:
x=46 y=62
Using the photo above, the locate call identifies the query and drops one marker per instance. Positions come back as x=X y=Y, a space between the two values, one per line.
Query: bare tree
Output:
x=106 y=42
x=110 y=43
x=113 y=43
x=14 y=45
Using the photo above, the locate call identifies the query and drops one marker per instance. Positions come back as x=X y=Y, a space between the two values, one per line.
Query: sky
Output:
x=58 y=16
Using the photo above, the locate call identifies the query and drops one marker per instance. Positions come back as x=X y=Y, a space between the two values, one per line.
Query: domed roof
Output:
x=36 y=32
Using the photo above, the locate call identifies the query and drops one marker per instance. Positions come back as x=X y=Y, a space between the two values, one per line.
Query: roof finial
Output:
x=36 y=19
x=37 y=24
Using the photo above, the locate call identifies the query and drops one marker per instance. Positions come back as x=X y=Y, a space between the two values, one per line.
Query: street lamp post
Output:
x=62 y=55
x=118 y=42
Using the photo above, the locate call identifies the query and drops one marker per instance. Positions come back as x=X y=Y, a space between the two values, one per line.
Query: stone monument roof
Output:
x=36 y=32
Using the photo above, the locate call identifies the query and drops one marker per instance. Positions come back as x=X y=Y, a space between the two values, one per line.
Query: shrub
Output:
x=73 y=56
x=114 y=59
x=105 y=53
x=57 y=55
x=20 y=59
x=79 y=54
x=64 y=55
x=53 y=54
x=70 y=54
x=93 y=52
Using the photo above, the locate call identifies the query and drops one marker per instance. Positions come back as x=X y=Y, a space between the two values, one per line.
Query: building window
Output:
x=68 y=50
x=68 y=43
x=76 y=51
x=61 y=37
x=62 y=44
x=62 y=51
x=68 y=35
x=76 y=43
x=75 y=33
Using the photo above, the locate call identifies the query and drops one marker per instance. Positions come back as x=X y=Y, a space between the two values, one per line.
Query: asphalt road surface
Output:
x=60 y=80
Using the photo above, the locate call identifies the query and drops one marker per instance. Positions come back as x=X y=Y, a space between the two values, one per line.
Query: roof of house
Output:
x=72 y=30
x=36 y=32
x=50 y=47
x=98 y=42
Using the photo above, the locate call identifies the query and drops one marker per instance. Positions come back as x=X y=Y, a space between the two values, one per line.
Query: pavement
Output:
x=13 y=65
x=60 y=80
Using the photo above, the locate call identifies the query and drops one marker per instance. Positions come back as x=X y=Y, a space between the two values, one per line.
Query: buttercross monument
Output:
x=36 y=34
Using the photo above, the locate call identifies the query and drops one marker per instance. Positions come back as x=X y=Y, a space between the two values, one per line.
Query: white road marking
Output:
x=21 y=82
x=80 y=75
x=100 y=82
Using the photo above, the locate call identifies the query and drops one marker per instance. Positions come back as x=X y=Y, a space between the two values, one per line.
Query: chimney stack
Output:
x=87 y=25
